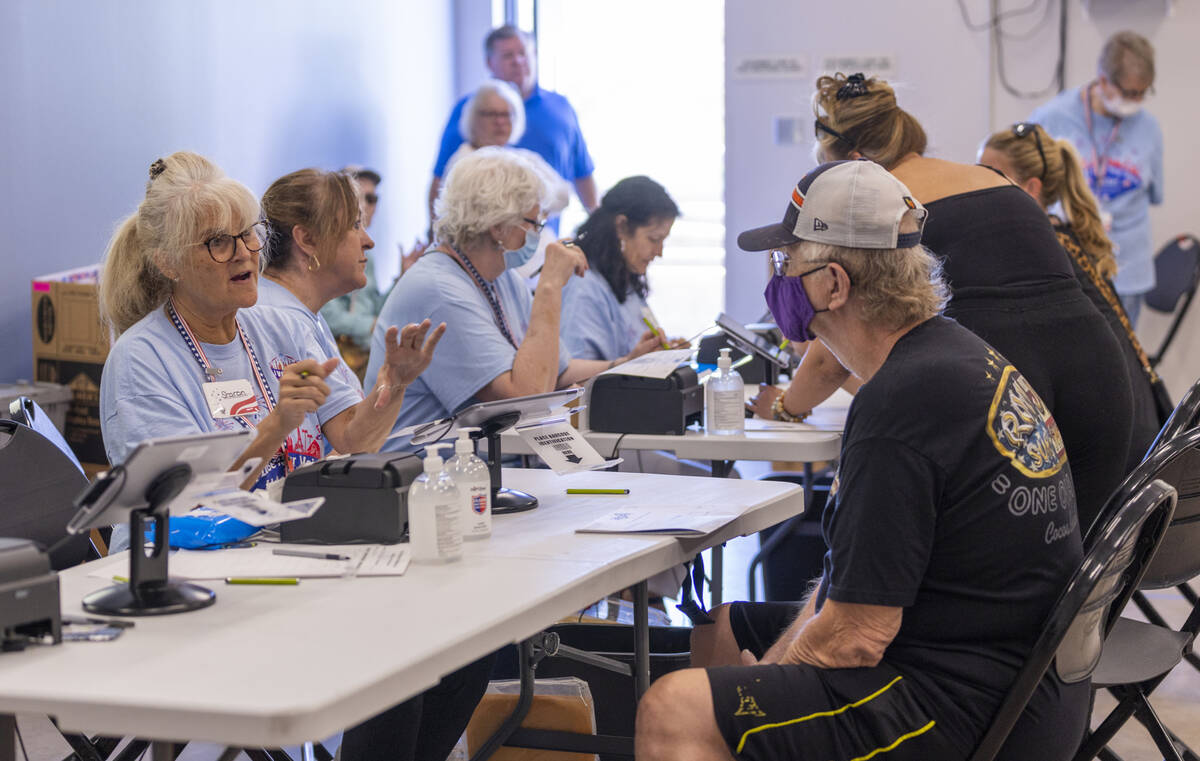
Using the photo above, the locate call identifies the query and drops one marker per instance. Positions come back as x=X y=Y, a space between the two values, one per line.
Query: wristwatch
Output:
x=778 y=412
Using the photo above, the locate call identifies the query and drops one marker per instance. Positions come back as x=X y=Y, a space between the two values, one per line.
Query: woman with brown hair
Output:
x=1012 y=284
x=1050 y=172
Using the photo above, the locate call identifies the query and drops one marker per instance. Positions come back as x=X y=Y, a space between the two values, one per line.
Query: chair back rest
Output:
x=1177 y=462
x=1185 y=417
x=1084 y=612
x=28 y=412
x=38 y=485
x=1176 y=271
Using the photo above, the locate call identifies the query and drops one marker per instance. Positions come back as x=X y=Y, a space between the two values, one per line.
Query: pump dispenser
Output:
x=724 y=399
x=474 y=483
x=434 y=532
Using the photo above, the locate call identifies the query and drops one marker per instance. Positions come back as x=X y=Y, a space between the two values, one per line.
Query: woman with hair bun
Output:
x=1050 y=172
x=603 y=311
x=1011 y=282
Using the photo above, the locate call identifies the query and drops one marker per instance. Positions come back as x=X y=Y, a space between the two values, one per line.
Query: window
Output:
x=649 y=92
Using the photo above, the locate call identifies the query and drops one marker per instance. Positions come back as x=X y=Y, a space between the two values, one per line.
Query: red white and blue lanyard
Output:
x=1099 y=156
x=491 y=297
x=210 y=372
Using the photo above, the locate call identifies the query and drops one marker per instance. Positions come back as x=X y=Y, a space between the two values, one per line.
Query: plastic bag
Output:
x=203 y=528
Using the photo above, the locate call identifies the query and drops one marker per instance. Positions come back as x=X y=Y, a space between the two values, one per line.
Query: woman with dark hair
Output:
x=603 y=311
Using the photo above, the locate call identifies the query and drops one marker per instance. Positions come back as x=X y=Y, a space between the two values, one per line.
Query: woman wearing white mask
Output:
x=500 y=342
x=1121 y=146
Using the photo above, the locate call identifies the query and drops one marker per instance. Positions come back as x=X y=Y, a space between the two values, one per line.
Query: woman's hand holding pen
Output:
x=563 y=259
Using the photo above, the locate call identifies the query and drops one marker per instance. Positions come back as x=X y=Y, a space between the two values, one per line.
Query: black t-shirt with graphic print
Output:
x=953 y=501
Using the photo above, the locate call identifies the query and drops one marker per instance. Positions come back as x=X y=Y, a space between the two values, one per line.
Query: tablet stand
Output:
x=504 y=500
x=149 y=592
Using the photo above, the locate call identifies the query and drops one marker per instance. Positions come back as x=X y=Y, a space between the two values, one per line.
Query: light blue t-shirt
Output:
x=1133 y=177
x=594 y=324
x=471 y=354
x=152 y=386
x=272 y=294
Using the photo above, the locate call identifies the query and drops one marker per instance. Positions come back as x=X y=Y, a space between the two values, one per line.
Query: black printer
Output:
x=29 y=606
x=366 y=499
x=632 y=404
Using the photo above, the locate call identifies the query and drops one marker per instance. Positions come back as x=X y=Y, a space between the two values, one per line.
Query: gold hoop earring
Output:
x=311 y=268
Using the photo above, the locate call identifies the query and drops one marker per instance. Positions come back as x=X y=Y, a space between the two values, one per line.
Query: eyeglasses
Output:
x=1021 y=129
x=537 y=226
x=1133 y=94
x=819 y=127
x=223 y=246
x=506 y=115
x=781 y=259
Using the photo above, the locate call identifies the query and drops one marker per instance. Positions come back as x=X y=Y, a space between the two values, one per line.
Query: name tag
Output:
x=230 y=398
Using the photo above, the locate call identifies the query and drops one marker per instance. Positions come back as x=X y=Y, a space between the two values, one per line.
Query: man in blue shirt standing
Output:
x=551 y=127
x=1121 y=147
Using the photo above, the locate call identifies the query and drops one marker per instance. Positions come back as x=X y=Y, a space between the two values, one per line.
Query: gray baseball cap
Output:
x=854 y=203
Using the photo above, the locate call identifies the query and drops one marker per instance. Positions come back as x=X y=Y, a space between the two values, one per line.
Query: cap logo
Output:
x=909 y=203
x=818 y=225
x=796 y=197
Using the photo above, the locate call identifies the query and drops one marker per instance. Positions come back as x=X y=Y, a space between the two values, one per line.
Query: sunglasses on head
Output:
x=1021 y=129
x=820 y=126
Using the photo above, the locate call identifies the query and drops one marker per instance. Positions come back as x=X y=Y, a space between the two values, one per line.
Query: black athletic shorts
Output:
x=803 y=712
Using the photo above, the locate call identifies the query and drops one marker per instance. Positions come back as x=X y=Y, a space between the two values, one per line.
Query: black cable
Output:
x=1036 y=28
x=617 y=446
x=996 y=17
x=20 y=739
x=1056 y=82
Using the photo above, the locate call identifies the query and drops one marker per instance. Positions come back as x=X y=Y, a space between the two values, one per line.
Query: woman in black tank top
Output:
x=1012 y=284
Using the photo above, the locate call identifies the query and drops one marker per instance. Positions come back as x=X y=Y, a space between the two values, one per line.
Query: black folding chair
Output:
x=1138 y=655
x=1176 y=272
x=1133 y=525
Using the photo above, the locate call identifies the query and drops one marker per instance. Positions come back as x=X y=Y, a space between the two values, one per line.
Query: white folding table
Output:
x=272 y=666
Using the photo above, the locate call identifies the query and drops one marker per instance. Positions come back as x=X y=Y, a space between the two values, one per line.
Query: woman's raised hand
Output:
x=409 y=352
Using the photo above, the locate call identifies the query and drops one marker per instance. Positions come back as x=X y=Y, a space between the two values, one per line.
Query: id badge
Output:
x=230 y=398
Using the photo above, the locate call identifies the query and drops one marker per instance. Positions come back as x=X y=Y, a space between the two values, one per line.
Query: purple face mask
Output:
x=789 y=304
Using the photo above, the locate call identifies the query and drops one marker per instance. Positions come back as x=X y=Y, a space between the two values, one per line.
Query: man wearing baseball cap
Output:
x=940 y=569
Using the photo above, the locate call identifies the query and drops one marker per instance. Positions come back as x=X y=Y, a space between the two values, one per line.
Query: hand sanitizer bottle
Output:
x=433 y=513
x=724 y=399
x=474 y=483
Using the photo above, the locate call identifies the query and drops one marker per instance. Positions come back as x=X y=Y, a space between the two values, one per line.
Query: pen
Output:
x=655 y=330
x=597 y=491
x=120 y=579
x=307 y=554
x=265 y=581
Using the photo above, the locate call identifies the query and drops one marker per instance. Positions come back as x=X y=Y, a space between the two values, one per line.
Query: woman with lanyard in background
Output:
x=500 y=343
x=605 y=315
x=1121 y=144
x=179 y=277
x=1050 y=172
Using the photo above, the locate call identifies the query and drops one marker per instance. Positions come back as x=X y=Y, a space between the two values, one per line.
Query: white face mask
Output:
x=1119 y=106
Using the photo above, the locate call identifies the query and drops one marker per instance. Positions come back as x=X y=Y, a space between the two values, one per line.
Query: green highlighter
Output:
x=264 y=581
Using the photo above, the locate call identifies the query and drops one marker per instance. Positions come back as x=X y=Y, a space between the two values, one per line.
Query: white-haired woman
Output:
x=179 y=276
x=500 y=342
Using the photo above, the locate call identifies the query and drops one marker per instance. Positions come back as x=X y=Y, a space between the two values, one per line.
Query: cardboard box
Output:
x=69 y=347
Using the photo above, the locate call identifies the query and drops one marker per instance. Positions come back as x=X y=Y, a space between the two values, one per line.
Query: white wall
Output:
x=93 y=92
x=947 y=79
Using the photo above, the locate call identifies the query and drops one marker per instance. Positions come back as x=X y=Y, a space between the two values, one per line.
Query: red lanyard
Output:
x=1099 y=156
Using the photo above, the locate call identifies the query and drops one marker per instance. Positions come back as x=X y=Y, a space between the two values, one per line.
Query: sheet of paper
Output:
x=562 y=447
x=656 y=364
x=260 y=562
x=220 y=492
x=655 y=522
